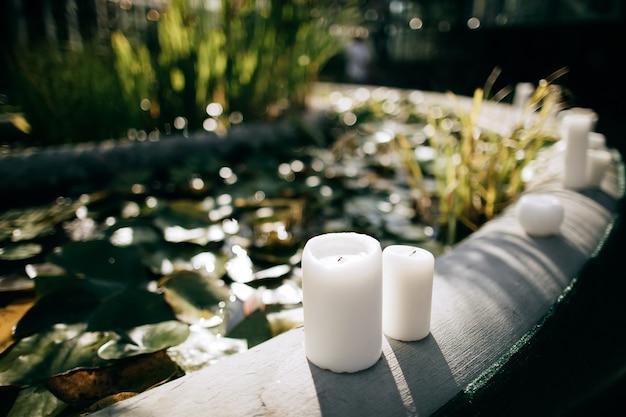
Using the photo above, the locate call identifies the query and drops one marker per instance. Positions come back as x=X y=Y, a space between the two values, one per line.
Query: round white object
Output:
x=540 y=215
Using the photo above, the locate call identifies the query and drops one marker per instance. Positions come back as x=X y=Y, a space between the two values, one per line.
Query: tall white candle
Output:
x=407 y=292
x=523 y=92
x=576 y=128
x=598 y=161
x=342 y=301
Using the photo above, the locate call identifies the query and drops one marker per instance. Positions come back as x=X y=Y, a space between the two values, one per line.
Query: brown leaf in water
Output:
x=135 y=374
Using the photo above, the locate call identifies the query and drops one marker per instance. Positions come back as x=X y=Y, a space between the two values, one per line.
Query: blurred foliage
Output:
x=252 y=60
x=479 y=170
x=478 y=147
x=68 y=95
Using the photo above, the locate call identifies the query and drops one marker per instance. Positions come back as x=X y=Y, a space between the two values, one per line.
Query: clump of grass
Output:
x=478 y=170
x=248 y=60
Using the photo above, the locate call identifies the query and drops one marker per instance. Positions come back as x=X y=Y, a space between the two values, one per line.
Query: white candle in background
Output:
x=596 y=141
x=598 y=161
x=407 y=292
x=523 y=92
x=342 y=301
x=575 y=129
x=540 y=215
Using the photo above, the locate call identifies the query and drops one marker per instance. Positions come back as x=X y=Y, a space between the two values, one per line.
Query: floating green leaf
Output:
x=67 y=306
x=148 y=338
x=130 y=309
x=49 y=352
x=193 y=296
x=101 y=259
x=18 y=252
x=255 y=329
x=37 y=401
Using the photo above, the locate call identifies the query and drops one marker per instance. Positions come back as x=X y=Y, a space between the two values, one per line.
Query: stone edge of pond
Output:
x=34 y=175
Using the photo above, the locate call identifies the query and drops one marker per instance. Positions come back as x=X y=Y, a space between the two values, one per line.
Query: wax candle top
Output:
x=339 y=249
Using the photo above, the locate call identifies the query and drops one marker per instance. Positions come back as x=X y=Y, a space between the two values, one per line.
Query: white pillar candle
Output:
x=342 y=301
x=407 y=292
x=576 y=128
x=596 y=140
x=598 y=161
x=540 y=215
x=523 y=92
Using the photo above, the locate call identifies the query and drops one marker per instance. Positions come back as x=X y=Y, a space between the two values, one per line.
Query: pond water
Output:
x=200 y=260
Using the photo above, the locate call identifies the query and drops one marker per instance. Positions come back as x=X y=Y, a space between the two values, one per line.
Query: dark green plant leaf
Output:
x=101 y=259
x=130 y=309
x=37 y=401
x=67 y=306
x=19 y=252
x=169 y=256
x=8 y=395
x=100 y=288
x=145 y=339
x=15 y=282
x=255 y=329
x=189 y=214
x=193 y=296
x=49 y=352
x=33 y=222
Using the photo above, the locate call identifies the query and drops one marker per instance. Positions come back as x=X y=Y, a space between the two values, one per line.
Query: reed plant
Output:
x=247 y=60
x=478 y=169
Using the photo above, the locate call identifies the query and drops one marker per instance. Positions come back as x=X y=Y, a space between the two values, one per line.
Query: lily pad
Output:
x=49 y=352
x=37 y=401
x=136 y=374
x=255 y=329
x=68 y=306
x=145 y=339
x=101 y=259
x=193 y=297
x=20 y=252
x=129 y=309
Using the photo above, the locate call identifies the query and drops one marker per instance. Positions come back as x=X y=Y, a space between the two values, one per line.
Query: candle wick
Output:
x=413 y=253
x=340 y=260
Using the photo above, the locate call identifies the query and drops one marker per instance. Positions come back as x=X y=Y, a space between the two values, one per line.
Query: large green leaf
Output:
x=101 y=259
x=101 y=288
x=67 y=306
x=49 y=352
x=145 y=339
x=37 y=401
x=130 y=309
x=193 y=297
x=255 y=329
x=33 y=222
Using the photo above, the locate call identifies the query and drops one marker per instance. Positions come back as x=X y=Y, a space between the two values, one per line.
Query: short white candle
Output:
x=342 y=301
x=407 y=292
x=540 y=215
x=576 y=128
x=598 y=161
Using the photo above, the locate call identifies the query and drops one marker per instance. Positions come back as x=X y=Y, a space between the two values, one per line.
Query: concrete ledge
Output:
x=37 y=175
x=490 y=291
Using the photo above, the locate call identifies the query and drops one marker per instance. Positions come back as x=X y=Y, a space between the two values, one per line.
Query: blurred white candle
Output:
x=342 y=301
x=576 y=128
x=598 y=161
x=407 y=292
x=523 y=92
x=540 y=215
x=596 y=141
